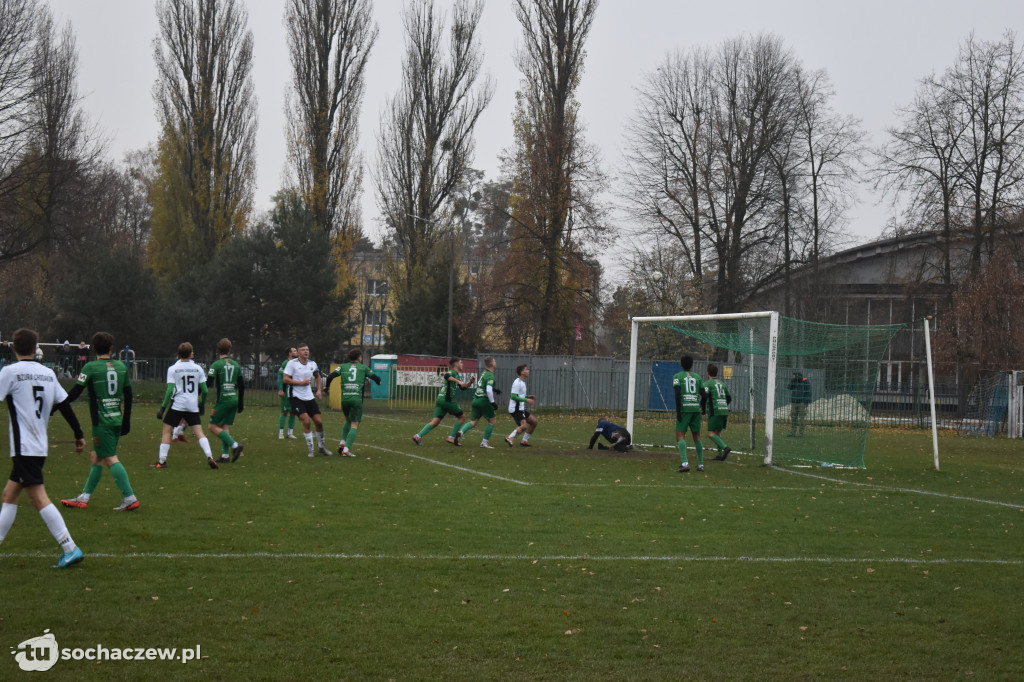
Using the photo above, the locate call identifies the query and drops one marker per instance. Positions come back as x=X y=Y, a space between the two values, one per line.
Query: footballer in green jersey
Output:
x=226 y=374
x=688 y=390
x=716 y=401
x=353 y=375
x=110 y=407
x=446 y=404
x=284 y=392
x=485 y=403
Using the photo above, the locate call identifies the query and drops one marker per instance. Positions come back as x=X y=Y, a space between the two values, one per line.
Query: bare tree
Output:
x=669 y=157
x=986 y=85
x=424 y=147
x=207 y=110
x=19 y=20
x=833 y=149
x=556 y=175
x=917 y=166
x=955 y=163
x=426 y=139
x=329 y=42
x=707 y=161
x=49 y=147
x=18 y=31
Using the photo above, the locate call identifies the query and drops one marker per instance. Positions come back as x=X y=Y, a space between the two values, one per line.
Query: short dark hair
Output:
x=519 y=369
x=102 y=342
x=712 y=370
x=224 y=346
x=452 y=360
x=355 y=355
x=25 y=341
x=687 y=362
x=489 y=361
x=185 y=351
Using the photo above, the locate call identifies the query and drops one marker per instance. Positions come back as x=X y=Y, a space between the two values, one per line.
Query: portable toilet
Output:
x=384 y=367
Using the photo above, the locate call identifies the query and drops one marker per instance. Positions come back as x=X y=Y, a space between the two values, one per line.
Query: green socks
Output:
x=121 y=478
x=488 y=431
x=700 y=453
x=466 y=427
x=94 y=478
x=719 y=443
x=350 y=439
x=425 y=430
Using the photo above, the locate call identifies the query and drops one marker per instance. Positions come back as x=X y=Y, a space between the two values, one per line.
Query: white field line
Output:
x=445 y=464
x=522 y=557
x=872 y=486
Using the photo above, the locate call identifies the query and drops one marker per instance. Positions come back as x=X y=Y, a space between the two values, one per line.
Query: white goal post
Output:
x=773 y=352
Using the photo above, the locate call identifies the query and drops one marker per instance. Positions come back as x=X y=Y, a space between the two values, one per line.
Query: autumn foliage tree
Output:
x=207 y=110
x=556 y=179
x=329 y=42
x=984 y=329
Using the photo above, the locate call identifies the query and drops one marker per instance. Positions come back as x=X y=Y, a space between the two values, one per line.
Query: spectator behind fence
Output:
x=799 y=398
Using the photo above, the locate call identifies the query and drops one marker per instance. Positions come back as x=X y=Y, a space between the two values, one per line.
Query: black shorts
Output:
x=173 y=417
x=309 y=407
x=519 y=416
x=621 y=439
x=27 y=471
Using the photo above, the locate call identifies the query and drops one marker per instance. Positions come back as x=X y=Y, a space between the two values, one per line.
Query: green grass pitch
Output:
x=548 y=563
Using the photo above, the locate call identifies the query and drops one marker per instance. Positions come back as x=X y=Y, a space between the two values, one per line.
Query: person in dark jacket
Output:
x=616 y=435
x=799 y=399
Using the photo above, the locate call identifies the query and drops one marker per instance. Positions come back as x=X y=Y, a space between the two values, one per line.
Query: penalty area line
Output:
x=334 y=556
x=446 y=464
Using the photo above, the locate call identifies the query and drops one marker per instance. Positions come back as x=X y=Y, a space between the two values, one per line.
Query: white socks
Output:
x=7 y=512
x=164 y=449
x=59 y=531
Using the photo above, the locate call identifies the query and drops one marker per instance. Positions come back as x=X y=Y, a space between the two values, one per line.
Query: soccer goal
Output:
x=801 y=391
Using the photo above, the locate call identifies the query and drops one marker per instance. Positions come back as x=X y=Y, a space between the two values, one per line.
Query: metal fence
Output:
x=599 y=384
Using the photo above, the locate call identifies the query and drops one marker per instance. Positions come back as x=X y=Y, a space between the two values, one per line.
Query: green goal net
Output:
x=801 y=391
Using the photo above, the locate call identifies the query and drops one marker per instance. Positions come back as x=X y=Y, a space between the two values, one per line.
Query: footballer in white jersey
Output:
x=185 y=395
x=31 y=392
x=302 y=371
x=186 y=377
x=302 y=376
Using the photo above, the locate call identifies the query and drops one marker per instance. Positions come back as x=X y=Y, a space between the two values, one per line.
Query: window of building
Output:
x=376 y=318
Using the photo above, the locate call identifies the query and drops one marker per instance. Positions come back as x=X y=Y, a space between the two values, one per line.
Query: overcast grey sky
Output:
x=875 y=52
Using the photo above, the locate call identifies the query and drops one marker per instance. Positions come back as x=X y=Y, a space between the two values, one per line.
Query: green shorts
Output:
x=286 y=403
x=443 y=407
x=691 y=422
x=353 y=411
x=104 y=440
x=717 y=423
x=482 y=409
x=223 y=414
